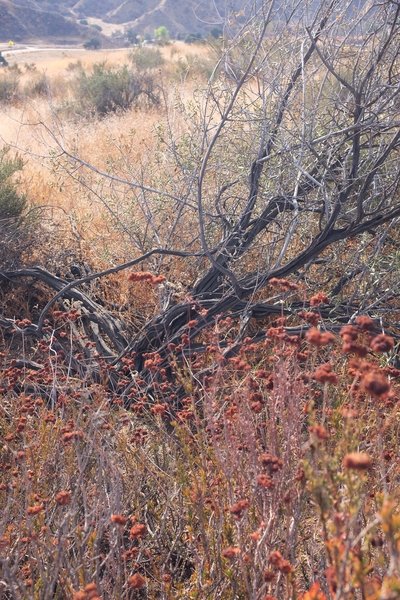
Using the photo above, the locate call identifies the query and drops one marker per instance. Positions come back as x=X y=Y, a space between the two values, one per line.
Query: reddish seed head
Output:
x=118 y=519
x=319 y=431
x=159 y=409
x=376 y=384
x=324 y=374
x=63 y=497
x=309 y=317
x=314 y=593
x=364 y=322
x=36 y=509
x=231 y=552
x=136 y=581
x=319 y=338
x=138 y=531
x=359 y=461
x=319 y=298
x=238 y=508
x=265 y=481
x=349 y=333
x=268 y=575
x=382 y=343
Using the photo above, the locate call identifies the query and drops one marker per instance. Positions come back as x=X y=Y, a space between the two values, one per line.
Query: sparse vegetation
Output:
x=199 y=383
x=161 y=35
x=147 y=58
x=17 y=226
x=92 y=44
x=9 y=87
x=108 y=89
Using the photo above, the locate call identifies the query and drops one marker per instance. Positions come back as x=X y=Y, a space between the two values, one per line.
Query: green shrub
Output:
x=38 y=86
x=194 y=67
x=108 y=89
x=16 y=224
x=147 y=58
x=92 y=44
x=9 y=87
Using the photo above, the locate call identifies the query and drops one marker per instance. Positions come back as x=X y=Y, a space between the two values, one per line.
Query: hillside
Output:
x=26 y=19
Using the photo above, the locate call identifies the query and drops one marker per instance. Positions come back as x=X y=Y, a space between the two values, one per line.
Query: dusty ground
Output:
x=53 y=59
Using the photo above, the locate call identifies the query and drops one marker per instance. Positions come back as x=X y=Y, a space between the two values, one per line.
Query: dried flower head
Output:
x=239 y=507
x=137 y=531
x=118 y=519
x=319 y=298
x=231 y=552
x=382 y=343
x=376 y=384
x=359 y=461
x=63 y=497
x=136 y=581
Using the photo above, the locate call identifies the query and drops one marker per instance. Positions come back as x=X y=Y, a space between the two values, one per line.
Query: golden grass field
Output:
x=35 y=127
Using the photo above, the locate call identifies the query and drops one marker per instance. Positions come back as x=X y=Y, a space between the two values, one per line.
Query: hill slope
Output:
x=27 y=19
x=22 y=19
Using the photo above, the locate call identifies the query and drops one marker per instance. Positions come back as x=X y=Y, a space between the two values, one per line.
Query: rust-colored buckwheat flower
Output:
x=360 y=461
x=349 y=333
x=118 y=519
x=159 y=409
x=268 y=575
x=284 y=284
x=136 y=581
x=231 y=552
x=314 y=593
x=324 y=374
x=309 y=316
x=365 y=323
x=35 y=510
x=319 y=338
x=319 y=431
x=376 y=384
x=272 y=462
x=91 y=591
x=319 y=298
x=265 y=481
x=281 y=564
x=353 y=348
x=63 y=497
x=146 y=276
x=72 y=435
x=137 y=531
x=382 y=343
x=238 y=508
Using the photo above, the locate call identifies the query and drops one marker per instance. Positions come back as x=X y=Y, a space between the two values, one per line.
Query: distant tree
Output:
x=95 y=26
x=216 y=32
x=192 y=38
x=161 y=35
x=92 y=44
x=83 y=22
x=132 y=37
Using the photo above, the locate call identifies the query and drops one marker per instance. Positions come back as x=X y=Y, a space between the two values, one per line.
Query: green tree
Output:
x=92 y=44
x=161 y=35
x=132 y=37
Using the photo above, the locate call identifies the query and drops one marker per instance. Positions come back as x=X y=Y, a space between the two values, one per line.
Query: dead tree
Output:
x=297 y=175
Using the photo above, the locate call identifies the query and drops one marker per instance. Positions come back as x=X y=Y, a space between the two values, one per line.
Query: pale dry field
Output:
x=120 y=143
